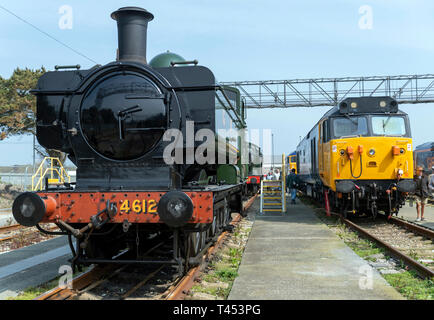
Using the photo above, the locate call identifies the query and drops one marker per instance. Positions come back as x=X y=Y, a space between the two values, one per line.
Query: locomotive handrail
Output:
x=61 y=174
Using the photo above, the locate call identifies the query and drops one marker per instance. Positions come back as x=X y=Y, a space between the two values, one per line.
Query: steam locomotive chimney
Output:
x=132 y=33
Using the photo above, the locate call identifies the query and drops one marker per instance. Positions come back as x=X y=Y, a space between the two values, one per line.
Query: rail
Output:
x=422 y=270
x=180 y=290
x=98 y=274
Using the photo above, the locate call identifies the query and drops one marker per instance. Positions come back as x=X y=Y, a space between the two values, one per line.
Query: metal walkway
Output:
x=330 y=91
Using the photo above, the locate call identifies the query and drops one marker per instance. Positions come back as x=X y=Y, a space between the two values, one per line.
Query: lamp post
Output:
x=34 y=155
x=272 y=151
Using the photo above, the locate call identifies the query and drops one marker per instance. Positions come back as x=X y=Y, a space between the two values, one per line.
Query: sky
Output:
x=237 y=40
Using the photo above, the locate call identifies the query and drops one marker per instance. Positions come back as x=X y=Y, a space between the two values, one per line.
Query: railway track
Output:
x=9 y=232
x=129 y=282
x=411 y=243
x=405 y=241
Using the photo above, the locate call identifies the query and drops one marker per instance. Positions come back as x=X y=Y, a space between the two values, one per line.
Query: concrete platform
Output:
x=296 y=256
x=32 y=265
x=410 y=214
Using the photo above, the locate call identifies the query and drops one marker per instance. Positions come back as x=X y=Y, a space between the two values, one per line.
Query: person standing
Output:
x=421 y=192
x=276 y=174
x=431 y=182
x=291 y=183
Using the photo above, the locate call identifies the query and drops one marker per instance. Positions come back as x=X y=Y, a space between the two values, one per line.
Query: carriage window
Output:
x=352 y=126
x=325 y=134
x=388 y=125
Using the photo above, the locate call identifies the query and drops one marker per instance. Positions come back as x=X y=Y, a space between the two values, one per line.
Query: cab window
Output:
x=348 y=127
x=325 y=131
x=388 y=125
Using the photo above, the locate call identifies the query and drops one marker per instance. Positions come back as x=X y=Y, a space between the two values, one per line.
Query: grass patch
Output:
x=411 y=286
x=363 y=247
x=226 y=274
x=224 y=268
x=221 y=271
x=33 y=292
x=218 y=292
x=407 y=283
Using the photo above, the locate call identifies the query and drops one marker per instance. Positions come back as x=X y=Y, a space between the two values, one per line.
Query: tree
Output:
x=17 y=104
x=18 y=107
x=51 y=153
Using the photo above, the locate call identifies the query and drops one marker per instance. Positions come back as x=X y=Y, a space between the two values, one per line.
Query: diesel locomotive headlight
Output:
x=372 y=152
x=175 y=208
x=28 y=209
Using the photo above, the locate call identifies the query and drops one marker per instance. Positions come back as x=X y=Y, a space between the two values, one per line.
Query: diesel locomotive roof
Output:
x=364 y=105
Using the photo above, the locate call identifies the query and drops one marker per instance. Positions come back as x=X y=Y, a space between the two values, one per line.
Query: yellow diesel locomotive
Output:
x=359 y=155
x=291 y=162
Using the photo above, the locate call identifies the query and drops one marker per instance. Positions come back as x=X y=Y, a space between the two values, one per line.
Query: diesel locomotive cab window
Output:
x=388 y=125
x=123 y=116
x=351 y=126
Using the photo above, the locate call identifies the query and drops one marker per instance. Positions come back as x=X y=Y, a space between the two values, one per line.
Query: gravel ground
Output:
x=118 y=285
x=5 y=203
x=23 y=237
x=417 y=247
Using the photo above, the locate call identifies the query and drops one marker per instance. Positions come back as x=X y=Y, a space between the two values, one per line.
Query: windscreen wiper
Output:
x=385 y=123
x=352 y=120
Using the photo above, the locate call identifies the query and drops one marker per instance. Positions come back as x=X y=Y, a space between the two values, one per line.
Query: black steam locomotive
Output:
x=134 y=132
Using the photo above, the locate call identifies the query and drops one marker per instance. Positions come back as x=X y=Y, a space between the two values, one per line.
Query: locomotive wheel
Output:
x=243 y=212
x=219 y=220
x=255 y=190
x=213 y=229
x=343 y=209
x=332 y=200
x=228 y=216
x=196 y=241
x=223 y=214
x=374 y=210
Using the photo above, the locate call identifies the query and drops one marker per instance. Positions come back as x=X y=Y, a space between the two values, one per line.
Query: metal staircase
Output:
x=51 y=169
x=273 y=193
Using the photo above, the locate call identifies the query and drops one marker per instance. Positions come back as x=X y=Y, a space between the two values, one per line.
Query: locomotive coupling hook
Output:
x=78 y=233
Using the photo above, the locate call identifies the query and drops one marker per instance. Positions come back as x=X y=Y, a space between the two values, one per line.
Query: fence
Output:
x=23 y=180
